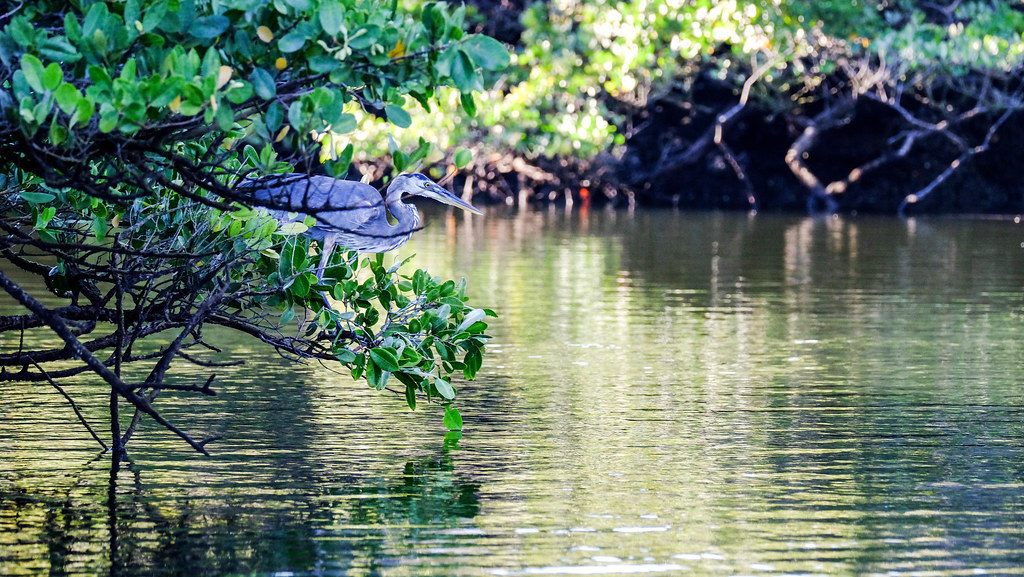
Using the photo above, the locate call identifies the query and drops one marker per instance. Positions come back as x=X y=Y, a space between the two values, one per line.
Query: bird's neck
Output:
x=405 y=214
x=394 y=194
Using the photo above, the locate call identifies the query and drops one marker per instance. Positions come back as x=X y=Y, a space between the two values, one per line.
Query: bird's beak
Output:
x=441 y=194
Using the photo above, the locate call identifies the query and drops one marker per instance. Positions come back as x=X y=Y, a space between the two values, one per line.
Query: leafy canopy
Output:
x=285 y=67
x=137 y=118
x=583 y=65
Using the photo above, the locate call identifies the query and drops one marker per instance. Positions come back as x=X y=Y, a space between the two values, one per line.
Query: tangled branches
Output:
x=125 y=132
x=174 y=266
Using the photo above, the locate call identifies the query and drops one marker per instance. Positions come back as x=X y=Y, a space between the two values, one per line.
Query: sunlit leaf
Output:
x=292 y=228
x=462 y=157
x=444 y=388
x=385 y=358
x=452 y=418
x=487 y=52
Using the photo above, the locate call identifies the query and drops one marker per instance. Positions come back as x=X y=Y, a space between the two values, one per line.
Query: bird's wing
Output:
x=339 y=206
x=349 y=207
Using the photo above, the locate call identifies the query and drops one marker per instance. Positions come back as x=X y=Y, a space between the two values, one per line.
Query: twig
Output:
x=74 y=407
x=97 y=366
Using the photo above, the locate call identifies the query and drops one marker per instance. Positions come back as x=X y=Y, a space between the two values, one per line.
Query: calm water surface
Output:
x=667 y=394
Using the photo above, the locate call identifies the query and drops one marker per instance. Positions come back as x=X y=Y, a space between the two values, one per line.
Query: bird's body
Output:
x=353 y=213
x=349 y=213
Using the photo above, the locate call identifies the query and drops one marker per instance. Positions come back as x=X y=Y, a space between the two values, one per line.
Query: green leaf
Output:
x=58 y=134
x=433 y=17
x=83 y=110
x=25 y=110
x=452 y=418
x=108 y=121
x=208 y=27
x=487 y=52
x=463 y=72
x=338 y=292
x=274 y=116
x=293 y=257
x=409 y=358
x=100 y=42
x=94 y=18
x=263 y=83
x=32 y=67
x=476 y=328
x=52 y=76
x=132 y=12
x=444 y=388
x=67 y=97
x=375 y=377
x=300 y=286
x=346 y=123
x=58 y=49
x=100 y=226
x=410 y=396
x=344 y=159
x=292 y=228
x=36 y=197
x=287 y=316
x=398 y=116
x=398 y=159
x=468 y=103
x=451 y=439
x=332 y=16
x=323 y=64
x=462 y=157
x=100 y=77
x=154 y=15
x=225 y=117
x=473 y=360
x=44 y=217
x=345 y=355
x=385 y=358
x=292 y=42
x=295 y=116
x=364 y=38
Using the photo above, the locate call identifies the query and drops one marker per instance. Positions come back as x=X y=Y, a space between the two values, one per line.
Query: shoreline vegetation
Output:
x=128 y=129
x=894 y=107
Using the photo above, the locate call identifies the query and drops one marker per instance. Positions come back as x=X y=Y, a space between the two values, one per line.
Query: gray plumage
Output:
x=349 y=213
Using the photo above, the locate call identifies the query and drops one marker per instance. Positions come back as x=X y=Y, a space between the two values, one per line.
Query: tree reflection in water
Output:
x=131 y=530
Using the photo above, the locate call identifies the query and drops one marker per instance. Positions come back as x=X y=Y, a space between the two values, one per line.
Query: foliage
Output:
x=139 y=63
x=125 y=127
x=415 y=328
x=584 y=66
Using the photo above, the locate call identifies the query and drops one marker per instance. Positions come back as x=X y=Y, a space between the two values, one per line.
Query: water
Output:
x=667 y=394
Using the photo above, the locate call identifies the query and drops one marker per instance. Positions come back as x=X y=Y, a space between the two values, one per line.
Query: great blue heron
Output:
x=350 y=213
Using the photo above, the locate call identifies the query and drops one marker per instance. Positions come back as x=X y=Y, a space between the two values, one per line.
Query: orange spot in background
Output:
x=584 y=207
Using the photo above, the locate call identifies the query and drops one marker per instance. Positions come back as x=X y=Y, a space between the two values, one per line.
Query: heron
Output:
x=349 y=213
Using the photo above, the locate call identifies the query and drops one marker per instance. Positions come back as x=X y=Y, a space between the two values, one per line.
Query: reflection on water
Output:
x=668 y=393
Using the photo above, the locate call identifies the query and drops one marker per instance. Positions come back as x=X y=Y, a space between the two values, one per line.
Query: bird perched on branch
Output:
x=349 y=213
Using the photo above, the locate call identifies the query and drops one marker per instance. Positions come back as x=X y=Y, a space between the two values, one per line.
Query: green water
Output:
x=666 y=394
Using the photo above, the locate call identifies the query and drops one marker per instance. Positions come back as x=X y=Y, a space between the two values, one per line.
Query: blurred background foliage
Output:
x=588 y=76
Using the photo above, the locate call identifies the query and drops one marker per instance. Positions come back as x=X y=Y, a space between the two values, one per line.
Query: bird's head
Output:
x=416 y=184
